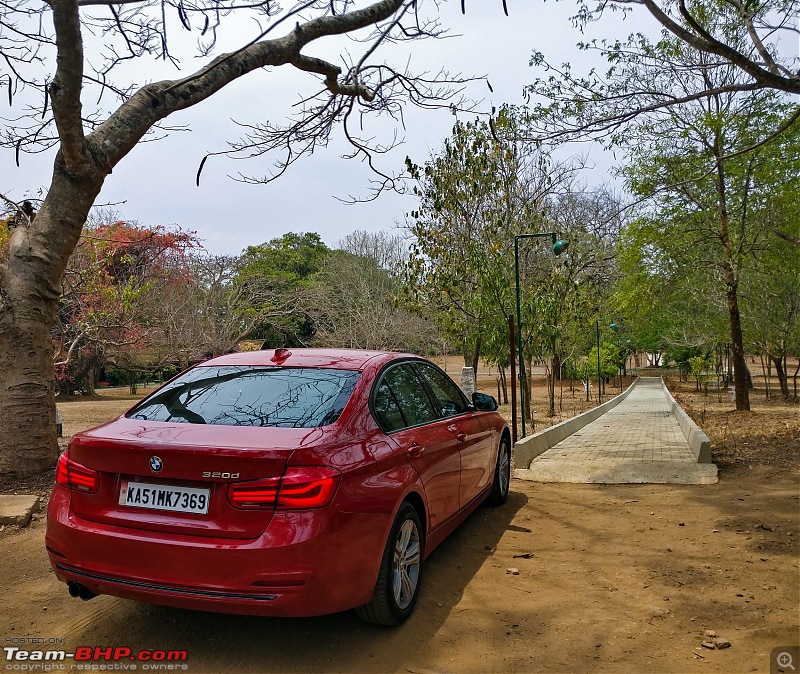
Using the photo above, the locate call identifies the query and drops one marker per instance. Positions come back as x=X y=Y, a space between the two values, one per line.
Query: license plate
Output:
x=164 y=497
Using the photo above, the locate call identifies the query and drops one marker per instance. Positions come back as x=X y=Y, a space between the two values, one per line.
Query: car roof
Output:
x=341 y=359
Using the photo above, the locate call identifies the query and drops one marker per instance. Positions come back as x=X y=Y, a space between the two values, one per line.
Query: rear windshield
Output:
x=251 y=396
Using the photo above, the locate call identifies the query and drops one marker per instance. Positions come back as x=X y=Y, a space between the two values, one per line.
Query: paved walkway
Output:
x=639 y=440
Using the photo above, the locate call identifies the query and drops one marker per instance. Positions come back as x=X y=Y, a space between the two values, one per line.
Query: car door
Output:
x=475 y=439
x=406 y=413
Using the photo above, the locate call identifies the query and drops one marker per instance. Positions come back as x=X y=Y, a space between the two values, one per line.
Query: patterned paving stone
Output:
x=637 y=441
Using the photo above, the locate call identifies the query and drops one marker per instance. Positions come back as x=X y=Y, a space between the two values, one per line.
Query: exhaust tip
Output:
x=78 y=590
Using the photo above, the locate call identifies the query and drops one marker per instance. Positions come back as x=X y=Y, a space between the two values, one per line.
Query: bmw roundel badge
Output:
x=156 y=464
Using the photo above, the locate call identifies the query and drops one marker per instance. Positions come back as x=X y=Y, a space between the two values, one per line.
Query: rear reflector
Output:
x=72 y=475
x=300 y=488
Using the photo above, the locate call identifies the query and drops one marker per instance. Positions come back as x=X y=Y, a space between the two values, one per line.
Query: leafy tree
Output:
x=581 y=369
x=283 y=269
x=701 y=367
x=771 y=295
x=705 y=167
x=115 y=271
x=290 y=259
x=611 y=358
x=577 y=289
x=483 y=188
x=458 y=234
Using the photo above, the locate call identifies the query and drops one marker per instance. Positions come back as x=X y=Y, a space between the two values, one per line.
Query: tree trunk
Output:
x=528 y=376
x=28 y=442
x=780 y=370
x=740 y=372
x=29 y=292
x=551 y=385
x=476 y=356
x=90 y=376
x=504 y=384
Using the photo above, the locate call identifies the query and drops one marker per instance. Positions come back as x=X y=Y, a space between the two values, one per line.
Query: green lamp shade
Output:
x=560 y=246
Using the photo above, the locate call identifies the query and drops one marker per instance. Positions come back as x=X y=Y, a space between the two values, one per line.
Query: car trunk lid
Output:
x=145 y=470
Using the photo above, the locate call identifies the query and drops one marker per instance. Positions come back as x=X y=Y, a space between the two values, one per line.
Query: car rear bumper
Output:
x=306 y=562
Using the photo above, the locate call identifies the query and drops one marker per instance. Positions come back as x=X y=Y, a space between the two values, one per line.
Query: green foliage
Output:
x=611 y=360
x=485 y=187
x=289 y=259
x=701 y=368
x=463 y=229
x=710 y=155
x=581 y=369
x=284 y=268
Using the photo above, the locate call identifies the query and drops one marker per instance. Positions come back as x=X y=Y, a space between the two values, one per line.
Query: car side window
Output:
x=408 y=392
x=448 y=396
x=386 y=409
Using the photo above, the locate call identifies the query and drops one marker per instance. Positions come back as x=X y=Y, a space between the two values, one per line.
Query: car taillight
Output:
x=72 y=475
x=254 y=493
x=304 y=487
x=300 y=488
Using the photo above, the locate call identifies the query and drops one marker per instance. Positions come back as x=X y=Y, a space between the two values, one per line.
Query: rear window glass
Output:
x=248 y=396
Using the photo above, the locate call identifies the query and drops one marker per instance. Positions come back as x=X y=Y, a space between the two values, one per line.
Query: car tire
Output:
x=502 y=475
x=397 y=588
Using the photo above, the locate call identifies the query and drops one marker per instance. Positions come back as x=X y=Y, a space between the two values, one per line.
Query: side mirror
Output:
x=484 y=402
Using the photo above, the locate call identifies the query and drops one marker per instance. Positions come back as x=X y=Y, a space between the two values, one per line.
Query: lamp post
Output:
x=559 y=247
x=613 y=326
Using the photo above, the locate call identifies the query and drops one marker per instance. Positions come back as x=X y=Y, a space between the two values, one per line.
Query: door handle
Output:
x=456 y=430
x=414 y=450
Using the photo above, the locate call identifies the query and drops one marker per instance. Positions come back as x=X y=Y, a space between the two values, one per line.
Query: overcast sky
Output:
x=155 y=184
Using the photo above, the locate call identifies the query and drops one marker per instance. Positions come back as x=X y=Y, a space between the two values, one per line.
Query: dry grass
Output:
x=767 y=435
x=80 y=413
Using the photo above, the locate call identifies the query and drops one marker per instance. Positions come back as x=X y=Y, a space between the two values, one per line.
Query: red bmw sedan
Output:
x=280 y=483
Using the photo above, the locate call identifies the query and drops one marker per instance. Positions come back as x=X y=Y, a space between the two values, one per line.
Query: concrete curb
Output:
x=527 y=449
x=17 y=510
x=621 y=472
x=699 y=442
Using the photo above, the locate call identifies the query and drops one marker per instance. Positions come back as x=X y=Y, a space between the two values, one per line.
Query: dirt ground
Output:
x=622 y=578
